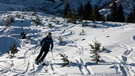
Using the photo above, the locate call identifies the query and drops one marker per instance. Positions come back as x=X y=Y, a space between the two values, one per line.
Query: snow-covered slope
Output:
x=117 y=38
x=11 y=7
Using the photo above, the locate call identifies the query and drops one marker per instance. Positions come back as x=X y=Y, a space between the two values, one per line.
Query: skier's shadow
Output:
x=39 y=68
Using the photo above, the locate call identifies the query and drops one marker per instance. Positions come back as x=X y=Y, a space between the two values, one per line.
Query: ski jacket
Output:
x=46 y=42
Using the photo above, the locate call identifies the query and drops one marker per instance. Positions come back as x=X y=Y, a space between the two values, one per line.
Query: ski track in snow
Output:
x=120 y=63
x=83 y=68
x=126 y=68
x=28 y=66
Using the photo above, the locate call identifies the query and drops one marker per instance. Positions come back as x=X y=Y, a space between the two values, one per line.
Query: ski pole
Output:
x=52 y=55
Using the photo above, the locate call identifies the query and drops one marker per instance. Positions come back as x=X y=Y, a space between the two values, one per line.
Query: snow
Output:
x=11 y=7
x=117 y=38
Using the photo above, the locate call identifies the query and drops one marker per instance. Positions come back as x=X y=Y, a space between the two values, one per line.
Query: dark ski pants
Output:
x=42 y=54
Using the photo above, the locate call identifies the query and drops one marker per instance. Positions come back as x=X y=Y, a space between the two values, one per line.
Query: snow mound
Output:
x=6 y=42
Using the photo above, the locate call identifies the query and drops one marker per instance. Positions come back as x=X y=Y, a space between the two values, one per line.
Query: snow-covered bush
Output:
x=60 y=39
x=9 y=20
x=50 y=25
x=23 y=35
x=13 y=50
x=34 y=13
x=94 y=26
x=37 y=21
x=84 y=23
x=95 y=51
x=65 y=60
x=82 y=32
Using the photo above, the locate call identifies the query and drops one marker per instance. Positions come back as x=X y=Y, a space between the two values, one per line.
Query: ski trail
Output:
x=49 y=69
x=120 y=65
x=117 y=68
x=52 y=69
x=126 y=68
x=129 y=49
x=35 y=72
x=83 y=68
x=123 y=69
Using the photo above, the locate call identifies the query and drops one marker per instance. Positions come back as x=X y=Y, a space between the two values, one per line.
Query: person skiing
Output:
x=45 y=43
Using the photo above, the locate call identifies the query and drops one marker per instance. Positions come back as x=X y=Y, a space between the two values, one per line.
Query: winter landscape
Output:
x=23 y=30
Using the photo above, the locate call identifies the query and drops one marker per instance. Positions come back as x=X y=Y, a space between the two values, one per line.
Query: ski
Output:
x=44 y=63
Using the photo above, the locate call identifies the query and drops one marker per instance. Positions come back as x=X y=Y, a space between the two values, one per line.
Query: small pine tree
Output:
x=13 y=49
x=65 y=60
x=96 y=50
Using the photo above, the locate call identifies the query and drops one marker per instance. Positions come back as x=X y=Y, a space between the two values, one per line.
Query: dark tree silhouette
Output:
x=120 y=17
x=87 y=15
x=66 y=10
x=96 y=14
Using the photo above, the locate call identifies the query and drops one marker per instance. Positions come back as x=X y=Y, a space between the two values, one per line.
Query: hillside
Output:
x=57 y=6
x=118 y=39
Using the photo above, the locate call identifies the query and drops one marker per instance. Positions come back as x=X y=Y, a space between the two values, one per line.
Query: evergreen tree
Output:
x=66 y=10
x=131 y=17
x=87 y=15
x=120 y=17
x=80 y=12
x=72 y=16
x=113 y=15
x=95 y=50
x=96 y=14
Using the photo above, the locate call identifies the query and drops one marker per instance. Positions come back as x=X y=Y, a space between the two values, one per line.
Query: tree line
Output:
x=87 y=12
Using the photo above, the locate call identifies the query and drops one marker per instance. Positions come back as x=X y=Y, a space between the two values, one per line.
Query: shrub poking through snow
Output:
x=65 y=60
x=37 y=21
x=34 y=13
x=95 y=51
x=84 y=23
x=50 y=26
x=82 y=32
x=60 y=39
x=13 y=50
x=23 y=35
x=94 y=26
x=9 y=20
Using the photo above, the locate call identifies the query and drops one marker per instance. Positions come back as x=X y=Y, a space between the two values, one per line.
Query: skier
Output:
x=45 y=43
